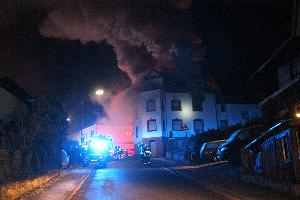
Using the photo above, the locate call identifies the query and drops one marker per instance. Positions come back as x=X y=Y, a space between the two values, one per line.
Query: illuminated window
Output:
x=198 y=125
x=176 y=124
x=176 y=105
x=297 y=110
x=151 y=125
x=284 y=147
x=223 y=124
x=223 y=108
x=151 y=105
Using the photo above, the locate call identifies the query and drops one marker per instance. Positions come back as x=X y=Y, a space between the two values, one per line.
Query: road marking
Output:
x=198 y=166
x=171 y=171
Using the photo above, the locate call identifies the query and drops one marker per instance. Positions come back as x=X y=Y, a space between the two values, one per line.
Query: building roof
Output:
x=172 y=81
x=12 y=87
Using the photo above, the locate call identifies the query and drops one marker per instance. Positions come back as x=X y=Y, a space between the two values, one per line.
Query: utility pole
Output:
x=81 y=123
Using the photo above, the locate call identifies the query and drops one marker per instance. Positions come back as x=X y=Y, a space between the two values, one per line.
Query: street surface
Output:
x=130 y=180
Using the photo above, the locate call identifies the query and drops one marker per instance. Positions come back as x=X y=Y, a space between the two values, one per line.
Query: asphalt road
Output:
x=130 y=180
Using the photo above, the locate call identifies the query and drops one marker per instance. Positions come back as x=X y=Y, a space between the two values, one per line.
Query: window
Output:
x=176 y=124
x=223 y=108
x=197 y=104
x=136 y=132
x=164 y=125
x=245 y=116
x=223 y=124
x=151 y=125
x=198 y=125
x=284 y=146
x=297 y=110
x=150 y=105
x=176 y=105
x=92 y=133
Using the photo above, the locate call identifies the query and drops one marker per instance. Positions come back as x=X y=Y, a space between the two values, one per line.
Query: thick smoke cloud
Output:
x=141 y=32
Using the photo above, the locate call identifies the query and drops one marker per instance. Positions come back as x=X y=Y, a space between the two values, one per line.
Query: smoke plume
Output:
x=142 y=33
x=118 y=106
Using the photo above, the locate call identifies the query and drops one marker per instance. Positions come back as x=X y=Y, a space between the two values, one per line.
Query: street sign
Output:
x=185 y=127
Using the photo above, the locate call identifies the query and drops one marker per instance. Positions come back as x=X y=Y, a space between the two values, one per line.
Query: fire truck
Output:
x=99 y=151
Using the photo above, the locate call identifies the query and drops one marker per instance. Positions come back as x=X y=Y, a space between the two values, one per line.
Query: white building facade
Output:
x=232 y=114
x=163 y=114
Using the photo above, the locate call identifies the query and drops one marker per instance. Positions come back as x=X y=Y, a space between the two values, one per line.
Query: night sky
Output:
x=55 y=48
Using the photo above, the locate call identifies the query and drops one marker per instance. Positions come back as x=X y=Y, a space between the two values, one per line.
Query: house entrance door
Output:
x=153 y=148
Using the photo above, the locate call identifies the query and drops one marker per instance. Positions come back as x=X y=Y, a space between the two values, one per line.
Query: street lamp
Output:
x=99 y=92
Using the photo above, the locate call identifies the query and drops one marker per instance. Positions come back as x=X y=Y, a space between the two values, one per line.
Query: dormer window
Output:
x=175 y=105
x=150 y=104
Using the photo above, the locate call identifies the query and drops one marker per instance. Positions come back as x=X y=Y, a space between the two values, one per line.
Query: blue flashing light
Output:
x=99 y=145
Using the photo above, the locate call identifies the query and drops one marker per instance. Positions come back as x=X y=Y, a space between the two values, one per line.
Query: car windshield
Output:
x=212 y=145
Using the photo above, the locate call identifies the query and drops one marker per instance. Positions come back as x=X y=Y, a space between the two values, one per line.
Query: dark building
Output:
x=273 y=158
x=284 y=100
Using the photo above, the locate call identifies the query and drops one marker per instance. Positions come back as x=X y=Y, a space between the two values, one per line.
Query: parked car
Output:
x=231 y=149
x=209 y=149
x=65 y=159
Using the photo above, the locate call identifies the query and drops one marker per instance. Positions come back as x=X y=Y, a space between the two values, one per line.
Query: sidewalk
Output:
x=63 y=187
x=224 y=178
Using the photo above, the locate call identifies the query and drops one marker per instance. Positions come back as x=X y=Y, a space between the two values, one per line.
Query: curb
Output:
x=70 y=195
x=19 y=188
x=81 y=190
